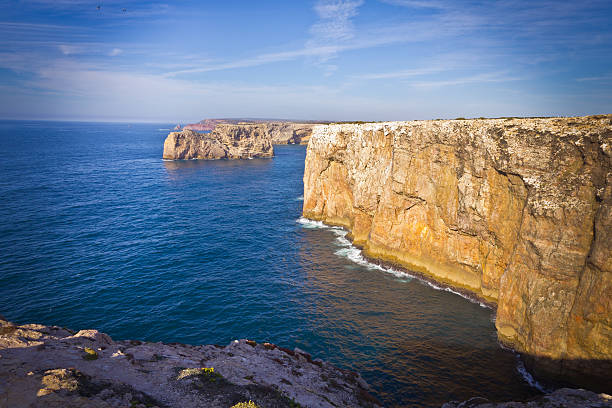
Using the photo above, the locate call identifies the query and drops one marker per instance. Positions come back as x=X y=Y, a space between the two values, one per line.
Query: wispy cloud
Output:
x=486 y=77
x=418 y=4
x=605 y=77
x=115 y=51
x=407 y=73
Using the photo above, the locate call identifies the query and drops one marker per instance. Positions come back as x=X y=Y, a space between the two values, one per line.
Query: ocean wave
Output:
x=300 y=198
x=311 y=224
x=355 y=255
x=520 y=367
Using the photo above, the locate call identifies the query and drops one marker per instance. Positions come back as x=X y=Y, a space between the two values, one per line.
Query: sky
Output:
x=183 y=61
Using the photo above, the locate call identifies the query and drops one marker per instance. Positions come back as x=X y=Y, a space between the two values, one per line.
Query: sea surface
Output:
x=99 y=232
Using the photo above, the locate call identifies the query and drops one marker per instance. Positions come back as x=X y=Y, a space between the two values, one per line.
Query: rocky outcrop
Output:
x=562 y=398
x=515 y=211
x=48 y=366
x=290 y=133
x=205 y=125
x=281 y=132
x=225 y=142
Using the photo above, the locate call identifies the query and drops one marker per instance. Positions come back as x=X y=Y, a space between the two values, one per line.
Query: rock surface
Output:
x=281 y=132
x=205 y=125
x=516 y=211
x=561 y=398
x=225 y=142
x=47 y=366
x=290 y=133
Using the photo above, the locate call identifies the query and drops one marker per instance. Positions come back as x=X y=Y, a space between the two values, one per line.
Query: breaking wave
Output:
x=354 y=254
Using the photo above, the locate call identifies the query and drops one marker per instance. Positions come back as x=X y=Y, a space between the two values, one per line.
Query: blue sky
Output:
x=183 y=61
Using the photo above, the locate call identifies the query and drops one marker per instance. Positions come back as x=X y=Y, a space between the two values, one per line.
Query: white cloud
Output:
x=70 y=49
x=115 y=51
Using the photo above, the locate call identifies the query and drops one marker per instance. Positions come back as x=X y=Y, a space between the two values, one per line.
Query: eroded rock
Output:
x=243 y=141
x=53 y=373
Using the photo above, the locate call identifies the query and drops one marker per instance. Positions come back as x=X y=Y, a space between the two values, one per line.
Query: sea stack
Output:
x=242 y=141
x=516 y=211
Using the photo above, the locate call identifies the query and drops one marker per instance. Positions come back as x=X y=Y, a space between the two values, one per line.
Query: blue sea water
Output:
x=98 y=232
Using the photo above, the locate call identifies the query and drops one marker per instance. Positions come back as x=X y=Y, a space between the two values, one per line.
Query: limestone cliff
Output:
x=517 y=211
x=48 y=366
x=290 y=133
x=224 y=142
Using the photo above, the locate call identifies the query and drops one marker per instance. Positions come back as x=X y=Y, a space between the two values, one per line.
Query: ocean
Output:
x=99 y=232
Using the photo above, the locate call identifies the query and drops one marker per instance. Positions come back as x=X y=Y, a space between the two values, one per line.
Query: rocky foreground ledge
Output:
x=49 y=366
x=561 y=398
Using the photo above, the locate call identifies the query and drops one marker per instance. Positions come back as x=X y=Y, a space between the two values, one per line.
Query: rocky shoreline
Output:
x=49 y=366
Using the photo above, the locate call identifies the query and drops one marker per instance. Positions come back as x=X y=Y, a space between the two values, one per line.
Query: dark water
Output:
x=98 y=232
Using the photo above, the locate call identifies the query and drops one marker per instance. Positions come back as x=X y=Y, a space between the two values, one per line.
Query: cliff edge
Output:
x=515 y=211
x=224 y=142
x=49 y=366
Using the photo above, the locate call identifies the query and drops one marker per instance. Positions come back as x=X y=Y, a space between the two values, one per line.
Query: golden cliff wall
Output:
x=517 y=211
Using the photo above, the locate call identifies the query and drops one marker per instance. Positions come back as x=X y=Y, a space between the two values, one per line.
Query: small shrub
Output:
x=249 y=404
x=205 y=373
x=90 y=354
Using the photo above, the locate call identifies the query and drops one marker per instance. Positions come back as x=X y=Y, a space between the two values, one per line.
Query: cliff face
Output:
x=48 y=366
x=225 y=142
x=204 y=125
x=290 y=133
x=517 y=211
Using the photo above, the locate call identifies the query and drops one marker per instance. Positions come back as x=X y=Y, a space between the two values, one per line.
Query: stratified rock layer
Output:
x=517 y=211
x=225 y=142
x=290 y=133
x=48 y=366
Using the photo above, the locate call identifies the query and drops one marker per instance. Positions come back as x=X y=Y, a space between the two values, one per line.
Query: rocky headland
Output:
x=517 y=212
x=49 y=366
x=224 y=142
x=281 y=131
x=290 y=133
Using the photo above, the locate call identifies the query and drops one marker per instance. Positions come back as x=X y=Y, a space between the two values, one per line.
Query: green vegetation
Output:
x=208 y=374
x=249 y=404
x=90 y=354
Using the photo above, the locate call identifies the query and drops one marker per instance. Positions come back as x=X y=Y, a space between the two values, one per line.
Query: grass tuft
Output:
x=249 y=404
x=208 y=374
x=90 y=354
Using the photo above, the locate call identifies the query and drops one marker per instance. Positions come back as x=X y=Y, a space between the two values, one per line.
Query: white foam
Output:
x=354 y=254
x=300 y=198
x=311 y=224
x=520 y=367
x=163 y=129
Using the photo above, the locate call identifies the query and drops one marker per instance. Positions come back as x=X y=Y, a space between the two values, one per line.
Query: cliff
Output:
x=515 y=211
x=281 y=131
x=290 y=133
x=205 y=125
x=225 y=142
x=48 y=366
